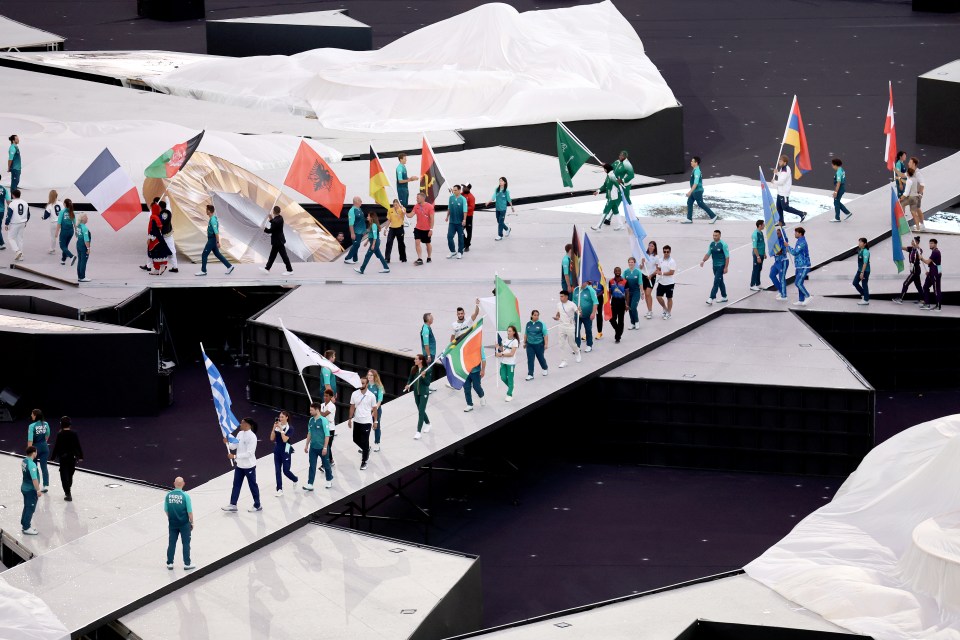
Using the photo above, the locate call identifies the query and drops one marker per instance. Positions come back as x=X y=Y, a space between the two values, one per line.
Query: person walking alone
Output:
x=759 y=251
x=839 y=188
x=213 y=243
x=318 y=446
x=67 y=451
x=246 y=464
x=535 y=338
x=507 y=353
x=695 y=194
x=38 y=435
x=618 y=303
x=30 y=488
x=719 y=254
x=357 y=225
x=179 y=510
x=66 y=227
x=281 y=435
x=501 y=198
x=362 y=410
x=278 y=241
x=395 y=220
x=801 y=265
x=419 y=383
x=373 y=245
x=84 y=239
x=456 y=220
x=861 y=281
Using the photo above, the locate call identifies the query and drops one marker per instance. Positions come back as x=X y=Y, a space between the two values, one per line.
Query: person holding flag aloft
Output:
x=801 y=263
x=507 y=353
x=611 y=189
x=781 y=262
x=419 y=383
x=244 y=454
x=783 y=180
x=695 y=194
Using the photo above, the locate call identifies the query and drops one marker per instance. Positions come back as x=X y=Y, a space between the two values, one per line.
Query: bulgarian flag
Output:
x=173 y=159
x=463 y=355
x=508 y=308
x=899 y=227
x=378 y=181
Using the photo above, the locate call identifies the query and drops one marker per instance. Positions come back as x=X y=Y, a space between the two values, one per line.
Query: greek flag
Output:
x=221 y=399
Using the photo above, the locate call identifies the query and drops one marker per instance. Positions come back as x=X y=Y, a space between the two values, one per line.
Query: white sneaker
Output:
x=508 y=399
x=452 y=255
x=426 y=428
x=724 y=299
x=483 y=401
x=416 y=436
x=288 y=273
x=563 y=363
x=529 y=378
x=620 y=228
x=648 y=315
x=170 y=566
x=847 y=216
x=834 y=220
x=497 y=239
x=664 y=315
x=588 y=349
x=357 y=269
x=264 y=270
x=578 y=357
x=19 y=255
x=545 y=372
x=459 y=256
x=864 y=302
x=714 y=219
x=797 y=303
x=200 y=273
x=84 y=280
x=468 y=408
x=30 y=532
x=709 y=300
x=805 y=302
x=686 y=222
x=189 y=567
x=669 y=315
x=376 y=448
x=754 y=288
x=597 y=228
x=384 y=270
x=232 y=508
x=329 y=484
x=506 y=232
x=255 y=509
x=308 y=487
x=780 y=297
x=230 y=270
x=279 y=493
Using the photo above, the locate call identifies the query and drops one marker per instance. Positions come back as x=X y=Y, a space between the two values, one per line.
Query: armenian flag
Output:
x=796 y=138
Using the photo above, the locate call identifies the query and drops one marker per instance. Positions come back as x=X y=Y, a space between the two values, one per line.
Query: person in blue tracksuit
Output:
x=839 y=187
x=781 y=262
x=501 y=197
x=719 y=255
x=357 y=223
x=30 y=488
x=179 y=510
x=281 y=436
x=801 y=263
x=695 y=194
x=38 y=435
x=456 y=221
x=861 y=281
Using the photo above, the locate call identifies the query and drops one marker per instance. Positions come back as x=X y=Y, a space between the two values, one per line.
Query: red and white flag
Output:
x=110 y=191
x=890 y=153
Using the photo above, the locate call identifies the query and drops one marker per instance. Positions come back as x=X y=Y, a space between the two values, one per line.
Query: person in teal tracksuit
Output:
x=501 y=198
x=456 y=221
x=83 y=249
x=318 y=446
x=839 y=187
x=719 y=254
x=357 y=223
x=403 y=181
x=373 y=245
x=695 y=194
x=634 y=278
x=179 y=510
x=861 y=281
x=759 y=251
x=623 y=169
x=611 y=189
x=38 y=435
x=586 y=299
x=30 y=488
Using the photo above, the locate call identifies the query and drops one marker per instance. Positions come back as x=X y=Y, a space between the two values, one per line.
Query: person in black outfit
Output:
x=67 y=451
x=277 y=241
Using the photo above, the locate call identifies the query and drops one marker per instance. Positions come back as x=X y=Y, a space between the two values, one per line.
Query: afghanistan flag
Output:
x=899 y=227
x=572 y=153
x=378 y=181
x=431 y=179
x=463 y=355
x=173 y=159
x=312 y=176
x=508 y=308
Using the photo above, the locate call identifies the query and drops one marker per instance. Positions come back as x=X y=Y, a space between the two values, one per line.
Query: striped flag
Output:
x=463 y=355
x=796 y=138
x=890 y=131
x=508 y=308
x=378 y=181
x=173 y=159
x=221 y=399
x=110 y=191
x=635 y=230
x=770 y=216
x=431 y=178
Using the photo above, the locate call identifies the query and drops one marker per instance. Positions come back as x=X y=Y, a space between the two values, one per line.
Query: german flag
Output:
x=173 y=159
x=430 y=177
x=378 y=181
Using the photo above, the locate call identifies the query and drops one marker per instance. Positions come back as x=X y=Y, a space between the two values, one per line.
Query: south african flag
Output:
x=463 y=355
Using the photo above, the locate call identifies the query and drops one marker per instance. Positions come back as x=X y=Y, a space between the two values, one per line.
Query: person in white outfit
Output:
x=15 y=222
x=567 y=315
x=51 y=214
x=246 y=461
x=783 y=180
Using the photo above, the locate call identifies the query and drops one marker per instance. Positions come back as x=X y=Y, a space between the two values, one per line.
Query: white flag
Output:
x=305 y=357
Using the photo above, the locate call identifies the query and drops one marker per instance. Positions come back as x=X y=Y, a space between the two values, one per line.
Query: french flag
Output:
x=110 y=191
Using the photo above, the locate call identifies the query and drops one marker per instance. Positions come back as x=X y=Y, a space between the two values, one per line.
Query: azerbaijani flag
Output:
x=593 y=272
x=173 y=159
x=795 y=137
x=890 y=152
x=378 y=181
x=899 y=227
x=508 y=308
x=770 y=217
x=310 y=175
x=431 y=178
x=463 y=354
x=110 y=190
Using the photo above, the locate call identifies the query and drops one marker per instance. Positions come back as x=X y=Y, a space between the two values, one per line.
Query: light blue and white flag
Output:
x=221 y=399
x=635 y=230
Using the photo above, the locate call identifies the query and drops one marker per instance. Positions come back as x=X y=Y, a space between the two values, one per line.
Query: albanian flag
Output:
x=310 y=175
x=430 y=177
x=173 y=159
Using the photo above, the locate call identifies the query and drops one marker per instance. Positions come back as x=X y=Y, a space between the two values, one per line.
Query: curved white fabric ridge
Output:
x=61 y=151
x=845 y=560
x=491 y=66
x=24 y=616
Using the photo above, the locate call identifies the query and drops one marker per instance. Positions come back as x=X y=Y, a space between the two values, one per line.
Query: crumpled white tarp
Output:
x=489 y=67
x=845 y=561
x=24 y=616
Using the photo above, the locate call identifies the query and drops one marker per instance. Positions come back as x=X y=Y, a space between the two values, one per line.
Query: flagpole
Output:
x=893 y=129
x=496 y=329
x=783 y=140
x=580 y=142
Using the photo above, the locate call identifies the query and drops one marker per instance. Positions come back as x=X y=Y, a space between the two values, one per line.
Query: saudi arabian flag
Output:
x=463 y=355
x=572 y=153
x=173 y=159
x=508 y=309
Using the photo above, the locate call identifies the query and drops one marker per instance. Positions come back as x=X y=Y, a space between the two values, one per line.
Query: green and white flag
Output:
x=508 y=309
x=572 y=154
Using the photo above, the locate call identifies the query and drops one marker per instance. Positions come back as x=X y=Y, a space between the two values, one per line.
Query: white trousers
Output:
x=15 y=236
x=567 y=338
x=173 y=250
x=54 y=237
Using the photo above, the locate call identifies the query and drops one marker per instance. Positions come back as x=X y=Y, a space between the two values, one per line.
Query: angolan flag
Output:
x=463 y=355
x=431 y=178
x=173 y=159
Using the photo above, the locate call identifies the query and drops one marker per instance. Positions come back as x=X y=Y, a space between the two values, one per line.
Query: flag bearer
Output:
x=801 y=264
x=419 y=383
x=179 y=512
x=610 y=188
x=246 y=461
x=623 y=169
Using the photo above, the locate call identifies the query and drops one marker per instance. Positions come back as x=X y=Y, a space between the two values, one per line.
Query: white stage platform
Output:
x=322 y=581
x=665 y=614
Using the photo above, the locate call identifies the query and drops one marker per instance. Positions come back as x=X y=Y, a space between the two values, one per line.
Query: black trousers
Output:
x=469 y=230
x=396 y=233
x=619 y=308
x=67 y=467
x=361 y=438
x=912 y=278
x=281 y=250
x=600 y=313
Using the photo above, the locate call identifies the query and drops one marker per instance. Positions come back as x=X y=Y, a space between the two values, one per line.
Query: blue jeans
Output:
x=211 y=247
x=455 y=230
x=374 y=250
x=473 y=380
x=586 y=323
x=718 y=284
x=281 y=462
x=535 y=351
x=779 y=277
x=81 y=259
x=66 y=235
x=250 y=475
x=799 y=279
x=43 y=454
x=181 y=531
x=376 y=432
x=29 y=506
x=697 y=196
x=837 y=205
x=324 y=459
x=501 y=224
x=635 y=297
x=354 y=250
x=862 y=286
x=757 y=270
